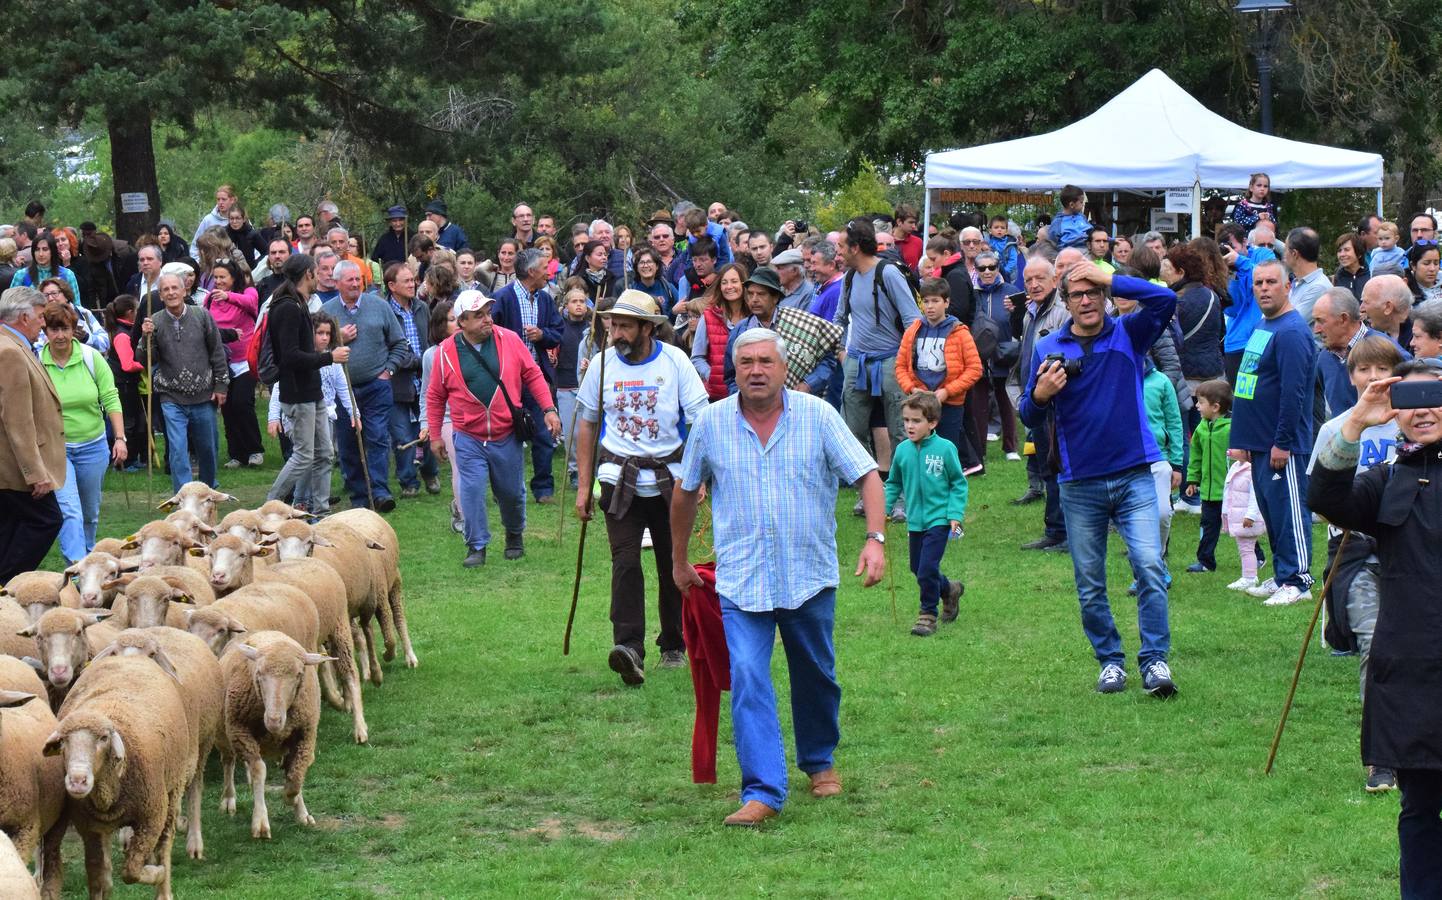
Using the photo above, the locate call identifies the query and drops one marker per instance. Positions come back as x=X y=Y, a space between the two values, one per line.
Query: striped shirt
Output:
x=773 y=508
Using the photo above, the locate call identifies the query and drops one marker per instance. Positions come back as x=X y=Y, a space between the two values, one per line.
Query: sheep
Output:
x=196 y=668
x=243 y=523
x=272 y=708
x=129 y=754
x=232 y=566
x=199 y=498
x=373 y=527
x=191 y=527
x=31 y=803
x=65 y=640
x=37 y=592
x=256 y=607
x=15 y=880
x=150 y=599
x=113 y=546
x=13 y=618
x=273 y=512
x=95 y=577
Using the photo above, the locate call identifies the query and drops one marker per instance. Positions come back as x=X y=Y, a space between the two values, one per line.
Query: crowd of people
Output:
x=1137 y=377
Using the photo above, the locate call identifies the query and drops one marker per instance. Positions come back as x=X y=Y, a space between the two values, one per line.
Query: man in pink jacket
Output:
x=480 y=372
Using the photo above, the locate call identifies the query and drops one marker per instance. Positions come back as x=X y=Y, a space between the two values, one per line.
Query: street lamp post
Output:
x=1263 y=45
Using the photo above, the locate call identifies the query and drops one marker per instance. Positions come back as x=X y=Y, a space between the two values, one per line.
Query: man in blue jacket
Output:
x=525 y=307
x=1242 y=315
x=1272 y=420
x=451 y=236
x=1105 y=451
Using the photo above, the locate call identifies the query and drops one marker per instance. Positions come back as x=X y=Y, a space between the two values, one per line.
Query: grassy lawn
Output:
x=977 y=763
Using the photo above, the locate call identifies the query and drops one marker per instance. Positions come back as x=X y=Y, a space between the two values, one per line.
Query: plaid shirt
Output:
x=527 y=303
x=773 y=508
x=408 y=324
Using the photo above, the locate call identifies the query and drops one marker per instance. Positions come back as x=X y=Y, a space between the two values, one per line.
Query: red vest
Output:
x=718 y=335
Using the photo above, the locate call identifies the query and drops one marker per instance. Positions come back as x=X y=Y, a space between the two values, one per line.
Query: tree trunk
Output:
x=132 y=170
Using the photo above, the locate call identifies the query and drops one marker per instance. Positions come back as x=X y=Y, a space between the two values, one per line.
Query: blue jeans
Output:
x=815 y=695
x=404 y=429
x=1282 y=497
x=189 y=426
x=499 y=464
x=927 y=548
x=79 y=500
x=1129 y=497
x=543 y=447
x=374 y=401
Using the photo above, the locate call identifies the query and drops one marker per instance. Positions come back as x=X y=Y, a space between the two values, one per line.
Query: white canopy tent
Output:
x=1151 y=136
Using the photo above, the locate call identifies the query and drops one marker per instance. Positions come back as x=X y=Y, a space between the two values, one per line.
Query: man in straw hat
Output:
x=649 y=385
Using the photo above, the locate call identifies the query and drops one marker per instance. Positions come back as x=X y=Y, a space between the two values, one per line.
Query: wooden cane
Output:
x=595 y=452
x=150 y=419
x=359 y=441
x=408 y=446
x=1302 y=656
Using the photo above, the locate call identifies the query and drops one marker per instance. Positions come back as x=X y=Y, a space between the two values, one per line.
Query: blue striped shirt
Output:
x=773 y=508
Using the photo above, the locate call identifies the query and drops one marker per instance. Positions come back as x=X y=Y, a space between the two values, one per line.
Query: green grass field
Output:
x=977 y=763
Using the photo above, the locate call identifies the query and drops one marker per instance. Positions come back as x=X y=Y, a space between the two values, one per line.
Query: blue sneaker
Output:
x=1157 y=679
x=1113 y=679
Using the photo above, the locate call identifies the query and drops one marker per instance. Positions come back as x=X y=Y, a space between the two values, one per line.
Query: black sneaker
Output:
x=515 y=546
x=1113 y=679
x=386 y=504
x=1197 y=568
x=1157 y=679
x=1042 y=543
x=673 y=659
x=475 y=559
x=627 y=663
x=1031 y=496
x=1059 y=547
x=1380 y=780
x=951 y=603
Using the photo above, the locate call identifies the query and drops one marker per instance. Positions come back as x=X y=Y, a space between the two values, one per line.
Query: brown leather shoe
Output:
x=751 y=814
x=825 y=784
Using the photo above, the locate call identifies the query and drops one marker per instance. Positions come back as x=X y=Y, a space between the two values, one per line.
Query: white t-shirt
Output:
x=644 y=403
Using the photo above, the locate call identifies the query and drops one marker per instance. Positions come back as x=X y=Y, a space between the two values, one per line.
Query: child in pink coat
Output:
x=1241 y=517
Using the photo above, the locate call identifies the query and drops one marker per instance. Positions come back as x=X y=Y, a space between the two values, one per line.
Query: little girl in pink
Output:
x=1241 y=518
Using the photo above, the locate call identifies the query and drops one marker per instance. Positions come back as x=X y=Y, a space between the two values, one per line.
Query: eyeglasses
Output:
x=1095 y=293
x=970 y=243
x=986 y=268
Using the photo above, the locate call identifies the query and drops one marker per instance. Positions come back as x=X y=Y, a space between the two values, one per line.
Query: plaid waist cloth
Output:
x=631 y=467
x=809 y=340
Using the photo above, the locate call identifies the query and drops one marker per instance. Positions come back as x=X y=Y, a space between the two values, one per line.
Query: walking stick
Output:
x=595 y=451
x=150 y=421
x=359 y=441
x=1307 y=640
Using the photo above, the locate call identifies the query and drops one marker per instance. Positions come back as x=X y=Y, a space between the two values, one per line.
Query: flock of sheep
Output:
x=119 y=677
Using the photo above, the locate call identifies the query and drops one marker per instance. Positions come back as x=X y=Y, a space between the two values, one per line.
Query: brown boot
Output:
x=925 y=625
x=951 y=603
x=825 y=784
x=751 y=814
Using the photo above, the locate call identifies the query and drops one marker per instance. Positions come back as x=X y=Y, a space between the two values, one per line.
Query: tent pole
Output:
x=1114 y=215
x=1197 y=208
x=926 y=212
x=1379 y=202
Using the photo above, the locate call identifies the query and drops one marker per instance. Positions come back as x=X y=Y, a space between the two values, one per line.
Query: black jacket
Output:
x=390 y=248
x=292 y=341
x=963 y=299
x=1199 y=313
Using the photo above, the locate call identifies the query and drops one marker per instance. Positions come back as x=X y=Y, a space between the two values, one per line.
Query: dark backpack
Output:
x=994 y=343
x=879 y=274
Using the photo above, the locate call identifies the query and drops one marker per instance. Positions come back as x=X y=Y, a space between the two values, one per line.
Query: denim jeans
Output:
x=404 y=429
x=566 y=409
x=79 y=499
x=1129 y=498
x=189 y=426
x=374 y=401
x=815 y=695
x=497 y=464
x=543 y=448
x=927 y=548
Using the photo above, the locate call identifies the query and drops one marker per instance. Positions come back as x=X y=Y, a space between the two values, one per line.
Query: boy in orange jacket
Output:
x=937 y=354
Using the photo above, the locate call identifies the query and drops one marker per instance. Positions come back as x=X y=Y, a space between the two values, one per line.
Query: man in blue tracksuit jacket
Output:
x=1105 y=451
x=1272 y=420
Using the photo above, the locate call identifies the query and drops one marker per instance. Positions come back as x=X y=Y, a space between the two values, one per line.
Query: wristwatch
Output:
x=878 y=536
x=548 y=410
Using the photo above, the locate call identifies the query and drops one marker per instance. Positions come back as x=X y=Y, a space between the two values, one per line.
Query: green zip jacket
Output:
x=929 y=476
x=1207 y=468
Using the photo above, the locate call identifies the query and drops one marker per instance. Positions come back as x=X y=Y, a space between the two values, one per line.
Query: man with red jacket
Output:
x=480 y=372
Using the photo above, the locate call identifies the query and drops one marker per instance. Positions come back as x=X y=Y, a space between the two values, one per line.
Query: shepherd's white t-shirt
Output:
x=644 y=403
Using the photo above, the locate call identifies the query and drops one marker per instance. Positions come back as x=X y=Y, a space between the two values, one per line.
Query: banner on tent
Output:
x=960 y=195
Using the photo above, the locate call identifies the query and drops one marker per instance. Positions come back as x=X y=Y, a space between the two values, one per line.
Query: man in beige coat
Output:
x=32 y=442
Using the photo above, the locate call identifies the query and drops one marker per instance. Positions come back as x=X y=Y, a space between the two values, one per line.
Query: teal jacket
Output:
x=929 y=476
x=1207 y=468
x=1164 y=416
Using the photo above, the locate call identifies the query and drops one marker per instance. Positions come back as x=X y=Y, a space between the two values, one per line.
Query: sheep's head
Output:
x=198 y=498
x=214 y=627
x=296 y=540
x=148 y=599
x=92 y=747
x=231 y=565
x=138 y=642
x=60 y=642
x=278 y=671
x=243 y=523
x=190 y=526
x=274 y=513
x=95 y=577
x=160 y=544
x=113 y=546
x=36 y=591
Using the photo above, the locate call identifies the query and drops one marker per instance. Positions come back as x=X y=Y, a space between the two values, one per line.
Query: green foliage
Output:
x=864 y=193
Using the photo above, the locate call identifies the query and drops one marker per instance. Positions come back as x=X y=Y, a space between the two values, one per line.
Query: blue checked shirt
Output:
x=408 y=324
x=773 y=508
x=526 y=301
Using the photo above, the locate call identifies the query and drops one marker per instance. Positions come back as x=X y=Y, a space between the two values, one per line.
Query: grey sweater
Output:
x=379 y=345
x=190 y=362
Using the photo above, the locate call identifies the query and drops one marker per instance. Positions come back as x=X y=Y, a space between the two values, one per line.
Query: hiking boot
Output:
x=951 y=603
x=386 y=504
x=925 y=625
x=1031 y=496
x=433 y=485
x=1157 y=679
x=1286 y=595
x=1113 y=679
x=475 y=559
x=1042 y=543
x=1380 y=780
x=673 y=659
x=627 y=663
x=515 y=545
x=1264 y=589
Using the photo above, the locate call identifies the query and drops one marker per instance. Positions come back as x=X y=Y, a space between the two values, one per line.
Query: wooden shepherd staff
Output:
x=595 y=453
x=149 y=419
x=359 y=440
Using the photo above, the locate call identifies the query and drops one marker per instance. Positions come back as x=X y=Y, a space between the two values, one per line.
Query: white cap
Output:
x=471 y=301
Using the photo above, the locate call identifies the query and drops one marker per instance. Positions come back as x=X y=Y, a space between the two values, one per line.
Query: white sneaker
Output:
x=1183 y=506
x=1286 y=595
x=232 y=464
x=1263 y=589
x=646 y=540
x=256 y=459
x=1013 y=456
x=992 y=436
x=1242 y=584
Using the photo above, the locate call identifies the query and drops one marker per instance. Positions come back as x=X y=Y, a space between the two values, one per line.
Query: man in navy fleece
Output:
x=1105 y=450
x=1272 y=420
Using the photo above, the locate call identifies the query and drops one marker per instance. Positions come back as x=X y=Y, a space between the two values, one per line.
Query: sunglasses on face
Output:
x=986 y=268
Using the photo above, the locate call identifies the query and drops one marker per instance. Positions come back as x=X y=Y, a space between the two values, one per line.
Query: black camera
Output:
x=801 y=225
x=1072 y=367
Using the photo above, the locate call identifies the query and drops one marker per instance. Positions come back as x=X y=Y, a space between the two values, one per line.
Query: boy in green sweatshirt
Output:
x=1207 y=467
x=926 y=471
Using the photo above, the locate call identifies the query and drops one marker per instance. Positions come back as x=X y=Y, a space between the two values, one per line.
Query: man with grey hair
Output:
x=338 y=238
x=189 y=376
x=327 y=216
x=773 y=460
x=1337 y=324
x=407 y=423
x=527 y=308
x=32 y=444
x=826 y=271
x=325 y=263
x=790 y=268
x=378 y=350
x=1386 y=305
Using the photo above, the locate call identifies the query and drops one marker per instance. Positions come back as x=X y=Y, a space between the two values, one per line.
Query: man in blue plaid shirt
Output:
x=773 y=459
